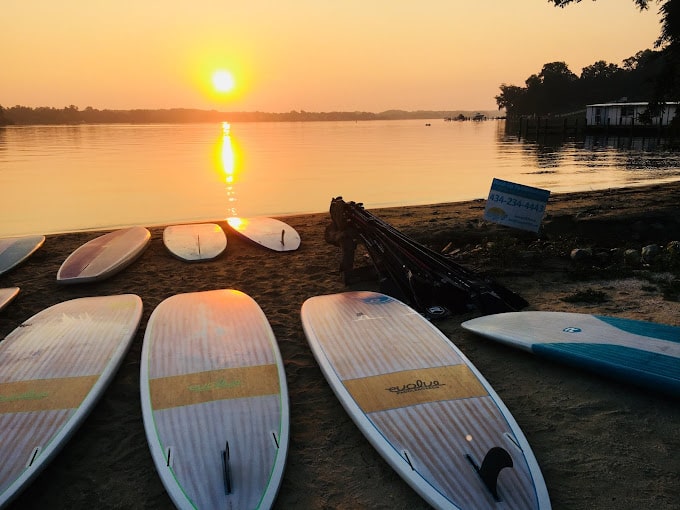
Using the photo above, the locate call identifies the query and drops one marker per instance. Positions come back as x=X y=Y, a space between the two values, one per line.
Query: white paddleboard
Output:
x=268 y=232
x=422 y=404
x=215 y=401
x=54 y=369
x=7 y=295
x=195 y=242
x=104 y=256
x=14 y=250
x=640 y=352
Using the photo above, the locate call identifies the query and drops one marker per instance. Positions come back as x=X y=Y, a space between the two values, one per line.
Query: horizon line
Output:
x=256 y=111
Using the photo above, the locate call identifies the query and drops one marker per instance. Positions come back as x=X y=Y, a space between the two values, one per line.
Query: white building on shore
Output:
x=627 y=114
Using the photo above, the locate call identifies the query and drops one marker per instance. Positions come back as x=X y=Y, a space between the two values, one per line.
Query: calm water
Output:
x=67 y=178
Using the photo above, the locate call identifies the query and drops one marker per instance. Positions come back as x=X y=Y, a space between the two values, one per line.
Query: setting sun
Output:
x=223 y=81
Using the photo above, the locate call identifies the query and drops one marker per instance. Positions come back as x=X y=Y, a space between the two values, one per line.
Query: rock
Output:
x=602 y=257
x=581 y=254
x=649 y=253
x=631 y=257
x=673 y=252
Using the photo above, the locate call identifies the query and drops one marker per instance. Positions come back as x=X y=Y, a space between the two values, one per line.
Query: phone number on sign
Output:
x=515 y=202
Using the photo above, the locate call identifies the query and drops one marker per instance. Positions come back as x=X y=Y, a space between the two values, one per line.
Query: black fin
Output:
x=494 y=460
x=227 y=469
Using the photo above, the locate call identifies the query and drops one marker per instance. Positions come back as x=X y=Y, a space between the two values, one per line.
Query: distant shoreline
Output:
x=72 y=115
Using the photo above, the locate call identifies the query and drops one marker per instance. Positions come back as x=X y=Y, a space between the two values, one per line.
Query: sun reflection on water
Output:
x=237 y=223
x=229 y=168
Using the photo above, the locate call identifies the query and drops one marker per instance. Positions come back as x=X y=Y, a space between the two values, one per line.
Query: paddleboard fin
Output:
x=227 y=469
x=494 y=461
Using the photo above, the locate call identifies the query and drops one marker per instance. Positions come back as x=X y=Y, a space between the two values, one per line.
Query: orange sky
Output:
x=369 y=55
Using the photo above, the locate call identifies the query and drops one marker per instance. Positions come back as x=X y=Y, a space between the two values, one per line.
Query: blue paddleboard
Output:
x=640 y=352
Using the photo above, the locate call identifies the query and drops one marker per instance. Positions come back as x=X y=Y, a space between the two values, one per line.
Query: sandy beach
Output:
x=601 y=444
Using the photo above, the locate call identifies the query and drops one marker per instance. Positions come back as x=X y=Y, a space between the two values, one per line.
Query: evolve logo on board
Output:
x=418 y=385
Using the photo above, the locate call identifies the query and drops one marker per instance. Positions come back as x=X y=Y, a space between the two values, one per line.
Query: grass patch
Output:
x=503 y=252
x=667 y=283
x=671 y=290
x=586 y=296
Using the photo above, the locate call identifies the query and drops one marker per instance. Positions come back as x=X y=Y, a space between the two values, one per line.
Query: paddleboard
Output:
x=7 y=295
x=640 y=352
x=195 y=242
x=422 y=404
x=268 y=232
x=104 y=256
x=215 y=401
x=55 y=367
x=14 y=250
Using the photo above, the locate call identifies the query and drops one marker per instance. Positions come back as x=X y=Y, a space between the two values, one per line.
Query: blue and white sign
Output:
x=516 y=205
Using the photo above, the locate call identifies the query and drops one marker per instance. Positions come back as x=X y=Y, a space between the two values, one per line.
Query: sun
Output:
x=223 y=81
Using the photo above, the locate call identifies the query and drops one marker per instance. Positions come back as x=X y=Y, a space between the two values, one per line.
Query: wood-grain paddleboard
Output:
x=215 y=401
x=638 y=352
x=7 y=295
x=268 y=232
x=422 y=404
x=54 y=368
x=195 y=242
x=14 y=250
x=104 y=256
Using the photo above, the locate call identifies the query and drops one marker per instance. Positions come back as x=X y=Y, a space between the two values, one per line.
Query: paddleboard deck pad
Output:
x=55 y=367
x=195 y=242
x=422 y=404
x=215 y=401
x=639 y=352
x=268 y=232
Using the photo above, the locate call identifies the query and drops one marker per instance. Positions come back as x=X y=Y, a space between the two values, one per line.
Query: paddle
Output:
x=425 y=277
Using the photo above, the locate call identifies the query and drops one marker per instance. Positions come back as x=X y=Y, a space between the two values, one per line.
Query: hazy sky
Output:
x=313 y=55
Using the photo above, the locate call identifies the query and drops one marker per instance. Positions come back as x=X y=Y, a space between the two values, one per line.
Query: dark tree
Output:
x=601 y=80
x=651 y=75
x=3 y=120
x=667 y=81
x=512 y=98
x=557 y=83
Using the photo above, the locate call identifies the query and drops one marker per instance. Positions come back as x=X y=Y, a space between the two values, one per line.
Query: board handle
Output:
x=34 y=455
x=226 y=467
x=168 y=457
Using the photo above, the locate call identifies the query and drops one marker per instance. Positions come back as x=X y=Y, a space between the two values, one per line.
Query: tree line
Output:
x=556 y=89
x=649 y=76
x=24 y=115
